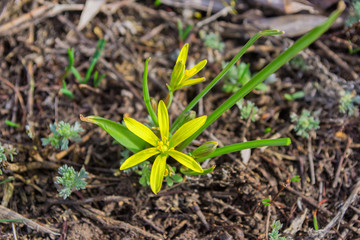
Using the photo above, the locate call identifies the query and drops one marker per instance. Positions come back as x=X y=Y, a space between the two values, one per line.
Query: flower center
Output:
x=163 y=146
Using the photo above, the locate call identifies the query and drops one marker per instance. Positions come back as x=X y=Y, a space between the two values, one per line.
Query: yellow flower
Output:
x=182 y=77
x=163 y=146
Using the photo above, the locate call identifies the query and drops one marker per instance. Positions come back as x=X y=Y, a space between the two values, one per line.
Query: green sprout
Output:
x=61 y=134
x=237 y=76
x=213 y=41
x=12 y=124
x=294 y=96
x=305 y=123
x=247 y=110
x=183 y=33
x=274 y=235
x=158 y=143
x=70 y=69
x=71 y=180
x=347 y=103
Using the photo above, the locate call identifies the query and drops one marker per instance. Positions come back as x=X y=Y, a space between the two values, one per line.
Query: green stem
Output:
x=221 y=74
x=299 y=45
x=147 y=95
x=171 y=96
x=246 y=145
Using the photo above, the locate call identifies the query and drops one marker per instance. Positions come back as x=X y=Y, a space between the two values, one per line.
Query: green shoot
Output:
x=12 y=124
x=70 y=180
x=274 y=235
x=347 y=103
x=305 y=123
x=61 y=134
x=294 y=96
x=295 y=179
x=71 y=69
x=183 y=33
x=157 y=3
x=66 y=91
x=266 y=202
x=99 y=48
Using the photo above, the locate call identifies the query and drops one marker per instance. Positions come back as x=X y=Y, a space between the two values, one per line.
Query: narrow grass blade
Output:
x=99 y=48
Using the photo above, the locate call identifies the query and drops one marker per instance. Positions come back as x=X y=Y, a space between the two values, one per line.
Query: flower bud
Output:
x=205 y=149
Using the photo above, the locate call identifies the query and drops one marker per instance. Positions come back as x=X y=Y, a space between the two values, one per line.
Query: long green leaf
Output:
x=147 y=95
x=246 y=145
x=121 y=134
x=299 y=45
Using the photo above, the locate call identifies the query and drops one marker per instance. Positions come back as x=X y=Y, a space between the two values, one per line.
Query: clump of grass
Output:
x=61 y=134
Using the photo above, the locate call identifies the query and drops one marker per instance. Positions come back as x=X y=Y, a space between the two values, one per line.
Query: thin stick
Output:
x=311 y=162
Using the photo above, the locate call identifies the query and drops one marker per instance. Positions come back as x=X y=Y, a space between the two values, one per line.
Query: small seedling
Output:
x=295 y=95
x=183 y=33
x=66 y=91
x=247 y=109
x=274 y=235
x=61 y=134
x=347 y=103
x=71 y=180
x=212 y=40
x=5 y=152
x=237 y=76
x=70 y=69
x=12 y=124
x=305 y=123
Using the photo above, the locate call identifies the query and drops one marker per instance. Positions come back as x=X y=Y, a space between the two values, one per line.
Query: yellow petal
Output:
x=177 y=75
x=194 y=70
x=186 y=160
x=192 y=81
x=163 y=117
x=183 y=54
x=157 y=173
x=186 y=130
x=141 y=131
x=139 y=157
